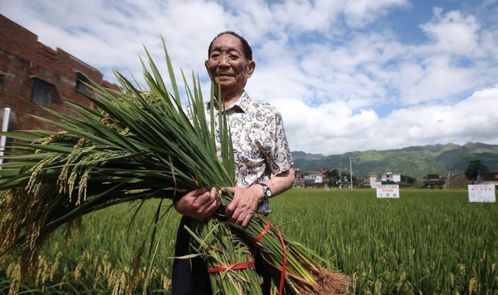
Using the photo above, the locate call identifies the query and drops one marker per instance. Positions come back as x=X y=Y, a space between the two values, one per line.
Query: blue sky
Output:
x=346 y=75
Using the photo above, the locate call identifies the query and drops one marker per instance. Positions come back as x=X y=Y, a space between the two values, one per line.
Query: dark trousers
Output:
x=190 y=276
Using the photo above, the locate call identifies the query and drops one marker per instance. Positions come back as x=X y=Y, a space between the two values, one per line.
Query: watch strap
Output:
x=264 y=206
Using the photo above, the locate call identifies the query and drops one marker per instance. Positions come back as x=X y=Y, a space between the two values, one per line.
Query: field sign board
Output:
x=388 y=191
x=482 y=193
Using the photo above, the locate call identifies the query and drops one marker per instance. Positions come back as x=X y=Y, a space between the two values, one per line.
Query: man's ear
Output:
x=251 y=66
x=207 y=69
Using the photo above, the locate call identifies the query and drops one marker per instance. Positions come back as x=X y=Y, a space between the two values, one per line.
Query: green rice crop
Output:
x=426 y=242
x=430 y=242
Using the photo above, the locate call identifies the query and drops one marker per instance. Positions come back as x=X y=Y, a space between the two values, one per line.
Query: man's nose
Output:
x=223 y=61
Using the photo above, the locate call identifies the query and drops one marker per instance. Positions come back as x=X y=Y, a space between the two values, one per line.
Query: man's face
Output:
x=227 y=64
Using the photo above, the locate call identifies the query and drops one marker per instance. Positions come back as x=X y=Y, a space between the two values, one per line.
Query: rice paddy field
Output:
x=426 y=242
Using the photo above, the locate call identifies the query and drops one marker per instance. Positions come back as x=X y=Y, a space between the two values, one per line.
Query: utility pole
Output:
x=5 y=128
x=449 y=179
x=351 y=172
x=339 y=168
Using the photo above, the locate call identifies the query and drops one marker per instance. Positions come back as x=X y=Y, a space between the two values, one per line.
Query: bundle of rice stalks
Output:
x=135 y=146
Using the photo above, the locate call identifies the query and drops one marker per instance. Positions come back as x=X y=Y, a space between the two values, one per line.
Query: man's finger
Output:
x=247 y=219
x=233 y=217
x=232 y=207
x=203 y=199
x=207 y=206
x=212 y=208
x=197 y=192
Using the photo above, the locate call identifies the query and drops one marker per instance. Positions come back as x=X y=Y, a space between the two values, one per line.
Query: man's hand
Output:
x=198 y=204
x=244 y=204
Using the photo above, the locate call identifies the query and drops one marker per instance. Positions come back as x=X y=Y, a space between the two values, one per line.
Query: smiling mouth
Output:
x=223 y=75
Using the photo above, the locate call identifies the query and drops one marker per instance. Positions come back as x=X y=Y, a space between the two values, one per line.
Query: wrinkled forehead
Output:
x=227 y=42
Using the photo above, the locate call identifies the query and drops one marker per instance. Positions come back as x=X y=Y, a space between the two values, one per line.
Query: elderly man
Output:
x=262 y=157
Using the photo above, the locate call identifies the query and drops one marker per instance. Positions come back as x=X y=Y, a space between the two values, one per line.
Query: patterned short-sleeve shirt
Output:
x=259 y=141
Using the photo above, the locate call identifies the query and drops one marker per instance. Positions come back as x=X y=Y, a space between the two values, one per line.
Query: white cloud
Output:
x=317 y=129
x=335 y=128
x=363 y=12
x=300 y=16
x=431 y=78
x=467 y=120
x=452 y=33
x=458 y=52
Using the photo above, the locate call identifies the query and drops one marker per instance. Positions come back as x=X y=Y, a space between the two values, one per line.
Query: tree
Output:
x=333 y=176
x=474 y=168
x=408 y=179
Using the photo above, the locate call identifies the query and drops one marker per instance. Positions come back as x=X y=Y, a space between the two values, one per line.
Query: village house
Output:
x=298 y=178
x=311 y=179
x=33 y=75
x=387 y=177
x=488 y=178
x=433 y=181
x=390 y=177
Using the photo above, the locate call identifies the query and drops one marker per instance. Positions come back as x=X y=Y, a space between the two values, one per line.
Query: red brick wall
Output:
x=22 y=58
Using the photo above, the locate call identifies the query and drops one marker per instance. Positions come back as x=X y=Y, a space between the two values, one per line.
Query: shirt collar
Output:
x=242 y=104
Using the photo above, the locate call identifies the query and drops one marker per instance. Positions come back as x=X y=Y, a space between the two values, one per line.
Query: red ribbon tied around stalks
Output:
x=284 y=249
x=242 y=265
x=235 y=266
x=261 y=234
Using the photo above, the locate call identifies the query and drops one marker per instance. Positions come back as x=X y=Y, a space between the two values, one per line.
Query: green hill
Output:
x=416 y=161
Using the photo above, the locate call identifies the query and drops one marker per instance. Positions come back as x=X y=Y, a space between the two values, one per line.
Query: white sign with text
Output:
x=388 y=191
x=482 y=193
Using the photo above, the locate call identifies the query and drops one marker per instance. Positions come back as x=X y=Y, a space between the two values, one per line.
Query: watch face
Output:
x=267 y=191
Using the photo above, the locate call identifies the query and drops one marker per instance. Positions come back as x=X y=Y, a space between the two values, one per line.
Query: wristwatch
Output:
x=264 y=206
x=266 y=191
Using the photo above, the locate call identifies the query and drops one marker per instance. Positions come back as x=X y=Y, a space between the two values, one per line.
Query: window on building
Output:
x=1 y=81
x=42 y=93
x=82 y=83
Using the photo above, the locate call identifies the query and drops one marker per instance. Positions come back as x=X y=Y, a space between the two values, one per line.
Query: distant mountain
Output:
x=416 y=161
x=305 y=156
